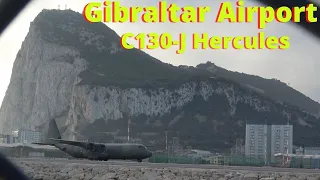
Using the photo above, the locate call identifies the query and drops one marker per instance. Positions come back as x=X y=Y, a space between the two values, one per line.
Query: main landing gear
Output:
x=98 y=159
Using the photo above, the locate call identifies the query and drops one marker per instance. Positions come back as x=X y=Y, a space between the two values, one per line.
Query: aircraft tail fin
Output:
x=53 y=131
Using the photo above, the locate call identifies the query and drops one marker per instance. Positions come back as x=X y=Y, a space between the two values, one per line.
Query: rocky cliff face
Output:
x=78 y=73
x=41 y=83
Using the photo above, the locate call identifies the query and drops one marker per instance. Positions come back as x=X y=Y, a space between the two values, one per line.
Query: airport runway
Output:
x=165 y=165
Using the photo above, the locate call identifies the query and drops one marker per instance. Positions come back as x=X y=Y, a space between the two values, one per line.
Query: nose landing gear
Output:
x=139 y=160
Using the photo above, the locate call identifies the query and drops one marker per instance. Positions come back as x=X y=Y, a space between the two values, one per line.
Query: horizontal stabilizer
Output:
x=44 y=144
x=150 y=145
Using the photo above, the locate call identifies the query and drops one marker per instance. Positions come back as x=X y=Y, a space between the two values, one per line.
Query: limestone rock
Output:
x=78 y=73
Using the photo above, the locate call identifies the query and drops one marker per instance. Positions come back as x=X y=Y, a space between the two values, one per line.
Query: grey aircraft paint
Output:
x=95 y=151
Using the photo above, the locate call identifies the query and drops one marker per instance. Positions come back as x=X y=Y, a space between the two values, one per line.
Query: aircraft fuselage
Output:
x=109 y=151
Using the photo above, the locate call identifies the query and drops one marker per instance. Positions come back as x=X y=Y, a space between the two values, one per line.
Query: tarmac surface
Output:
x=168 y=165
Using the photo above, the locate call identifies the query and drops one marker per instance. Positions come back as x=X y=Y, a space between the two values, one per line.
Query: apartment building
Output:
x=281 y=139
x=28 y=136
x=8 y=139
x=266 y=140
x=256 y=141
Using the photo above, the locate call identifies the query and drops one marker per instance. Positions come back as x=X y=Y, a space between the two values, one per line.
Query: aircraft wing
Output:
x=73 y=143
x=85 y=145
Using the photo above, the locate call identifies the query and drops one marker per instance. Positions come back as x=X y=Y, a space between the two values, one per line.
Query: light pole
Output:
x=129 y=129
x=166 y=132
x=265 y=149
x=287 y=139
x=265 y=141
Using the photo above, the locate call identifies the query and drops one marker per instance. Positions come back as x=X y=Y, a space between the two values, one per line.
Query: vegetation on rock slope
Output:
x=201 y=124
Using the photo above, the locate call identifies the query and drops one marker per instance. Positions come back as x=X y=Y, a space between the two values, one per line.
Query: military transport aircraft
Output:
x=95 y=151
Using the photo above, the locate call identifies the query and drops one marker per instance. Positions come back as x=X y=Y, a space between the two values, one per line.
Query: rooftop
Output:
x=300 y=156
x=203 y=152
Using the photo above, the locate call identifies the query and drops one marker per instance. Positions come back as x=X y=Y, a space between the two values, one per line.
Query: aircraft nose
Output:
x=149 y=153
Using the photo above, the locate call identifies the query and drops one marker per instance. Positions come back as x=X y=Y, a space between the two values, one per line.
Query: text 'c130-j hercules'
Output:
x=95 y=151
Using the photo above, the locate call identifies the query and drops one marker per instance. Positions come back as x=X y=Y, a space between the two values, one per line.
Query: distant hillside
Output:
x=272 y=88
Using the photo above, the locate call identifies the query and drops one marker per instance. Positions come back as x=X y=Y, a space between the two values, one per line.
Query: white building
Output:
x=281 y=139
x=256 y=141
x=200 y=153
x=7 y=139
x=265 y=141
x=28 y=137
x=3 y=138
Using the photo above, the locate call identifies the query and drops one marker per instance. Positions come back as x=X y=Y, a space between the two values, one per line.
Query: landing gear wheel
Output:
x=139 y=160
x=93 y=159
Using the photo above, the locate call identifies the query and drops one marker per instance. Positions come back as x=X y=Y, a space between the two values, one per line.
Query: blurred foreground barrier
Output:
x=8 y=171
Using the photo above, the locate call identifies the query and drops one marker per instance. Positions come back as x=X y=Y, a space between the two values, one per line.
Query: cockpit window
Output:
x=140 y=147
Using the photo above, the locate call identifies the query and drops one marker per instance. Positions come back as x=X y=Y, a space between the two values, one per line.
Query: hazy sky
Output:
x=297 y=65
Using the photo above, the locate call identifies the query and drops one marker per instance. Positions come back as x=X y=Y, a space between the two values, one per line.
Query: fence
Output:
x=244 y=161
x=295 y=162
x=307 y=163
x=225 y=160
x=217 y=160
x=163 y=158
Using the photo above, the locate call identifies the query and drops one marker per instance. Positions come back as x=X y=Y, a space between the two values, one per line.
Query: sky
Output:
x=296 y=66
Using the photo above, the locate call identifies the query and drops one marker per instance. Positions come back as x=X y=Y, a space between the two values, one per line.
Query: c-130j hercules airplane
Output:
x=95 y=151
